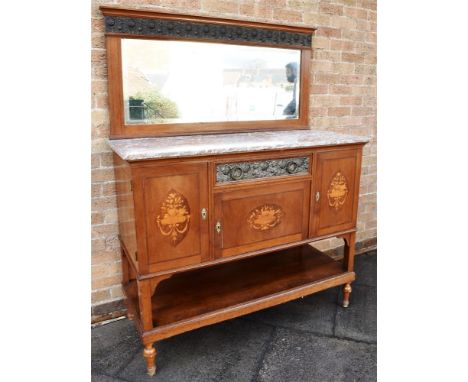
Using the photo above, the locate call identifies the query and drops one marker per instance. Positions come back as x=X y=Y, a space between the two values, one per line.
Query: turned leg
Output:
x=346 y=292
x=150 y=356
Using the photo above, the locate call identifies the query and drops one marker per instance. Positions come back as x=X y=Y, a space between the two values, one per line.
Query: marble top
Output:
x=214 y=144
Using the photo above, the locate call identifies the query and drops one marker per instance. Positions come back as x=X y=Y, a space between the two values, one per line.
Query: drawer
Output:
x=263 y=168
x=260 y=217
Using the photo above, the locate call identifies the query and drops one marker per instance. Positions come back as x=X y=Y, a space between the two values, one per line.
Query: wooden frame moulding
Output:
x=281 y=36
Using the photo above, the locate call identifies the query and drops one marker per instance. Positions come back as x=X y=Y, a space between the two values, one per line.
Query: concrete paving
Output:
x=310 y=339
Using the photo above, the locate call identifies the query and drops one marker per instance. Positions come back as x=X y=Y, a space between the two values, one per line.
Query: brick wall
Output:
x=342 y=99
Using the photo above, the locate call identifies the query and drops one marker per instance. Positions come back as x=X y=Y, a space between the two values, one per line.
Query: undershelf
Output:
x=201 y=297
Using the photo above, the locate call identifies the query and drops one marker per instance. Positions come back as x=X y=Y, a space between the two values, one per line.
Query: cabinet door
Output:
x=174 y=229
x=336 y=191
x=256 y=218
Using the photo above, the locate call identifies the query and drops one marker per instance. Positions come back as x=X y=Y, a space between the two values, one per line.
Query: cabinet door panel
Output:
x=173 y=197
x=336 y=187
x=261 y=217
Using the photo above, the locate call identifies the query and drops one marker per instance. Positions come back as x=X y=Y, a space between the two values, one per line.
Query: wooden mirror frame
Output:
x=143 y=24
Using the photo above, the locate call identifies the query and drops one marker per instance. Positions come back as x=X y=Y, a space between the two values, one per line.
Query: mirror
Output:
x=189 y=82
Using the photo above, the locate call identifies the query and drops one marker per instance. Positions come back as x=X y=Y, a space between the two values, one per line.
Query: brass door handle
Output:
x=218 y=226
x=317 y=196
x=204 y=213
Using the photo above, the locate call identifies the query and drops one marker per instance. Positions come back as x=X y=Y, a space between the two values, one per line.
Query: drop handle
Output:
x=204 y=213
x=317 y=196
x=218 y=227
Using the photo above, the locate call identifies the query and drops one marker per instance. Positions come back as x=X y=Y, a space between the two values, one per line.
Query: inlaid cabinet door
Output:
x=255 y=218
x=172 y=205
x=335 y=191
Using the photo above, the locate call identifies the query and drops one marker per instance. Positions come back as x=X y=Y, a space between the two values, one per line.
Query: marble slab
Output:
x=214 y=144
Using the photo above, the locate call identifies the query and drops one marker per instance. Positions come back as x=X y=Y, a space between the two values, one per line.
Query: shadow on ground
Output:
x=310 y=339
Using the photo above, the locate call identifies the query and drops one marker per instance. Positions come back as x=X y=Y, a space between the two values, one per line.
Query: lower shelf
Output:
x=197 y=298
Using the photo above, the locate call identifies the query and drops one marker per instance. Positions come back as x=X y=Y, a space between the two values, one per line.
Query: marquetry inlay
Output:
x=229 y=172
x=337 y=191
x=174 y=218
x=265 y=217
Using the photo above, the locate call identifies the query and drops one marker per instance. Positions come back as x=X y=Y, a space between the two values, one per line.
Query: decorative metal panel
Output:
x=205 y=31
x=231 y=172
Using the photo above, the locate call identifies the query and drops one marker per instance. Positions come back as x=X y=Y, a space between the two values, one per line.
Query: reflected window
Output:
x=189 y=82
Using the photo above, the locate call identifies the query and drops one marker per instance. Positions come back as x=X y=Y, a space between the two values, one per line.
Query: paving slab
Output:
x=113 y=346
x=300 y=357
x=229 y=351
x=359 y=320
x=105 y=378
x=314 y=313
x=365 y=267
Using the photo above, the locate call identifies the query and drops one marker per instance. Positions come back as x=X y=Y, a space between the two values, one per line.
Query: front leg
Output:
x=346 y=292
x=150 y=356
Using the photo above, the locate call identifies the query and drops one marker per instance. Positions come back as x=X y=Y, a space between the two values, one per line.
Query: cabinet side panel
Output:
x=125 y=205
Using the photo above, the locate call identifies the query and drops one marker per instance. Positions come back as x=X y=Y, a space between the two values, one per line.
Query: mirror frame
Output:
x=142 y=24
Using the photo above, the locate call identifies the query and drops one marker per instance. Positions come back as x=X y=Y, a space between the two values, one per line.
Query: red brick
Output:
x=318 y=89
x=106 y=160
x=318 y=111
x=328 y=32
x=106 y=282
x=341 y=89
x=331 y=9
x=102 y=175
x=351 y=57
x=103 y=230
x=326 y=78
x=356 y=13
x=339 y=111
x=97 y=218
x=99 y=296
x=351 y=100
x=284 y=15
x=96 y=190
x=220 y=6
x=363 y=111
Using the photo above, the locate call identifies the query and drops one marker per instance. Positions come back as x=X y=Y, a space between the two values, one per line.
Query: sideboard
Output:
x=219 y=227
x=221 y=184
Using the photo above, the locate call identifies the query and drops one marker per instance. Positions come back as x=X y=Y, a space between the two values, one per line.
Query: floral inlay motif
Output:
x=265 y=217
x=337 y=191
x=174 y=218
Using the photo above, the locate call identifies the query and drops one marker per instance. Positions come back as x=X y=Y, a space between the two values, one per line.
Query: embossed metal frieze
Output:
x=204 y=31
x=230 y=172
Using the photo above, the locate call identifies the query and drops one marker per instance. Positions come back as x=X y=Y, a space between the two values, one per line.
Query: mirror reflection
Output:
x=187 y=82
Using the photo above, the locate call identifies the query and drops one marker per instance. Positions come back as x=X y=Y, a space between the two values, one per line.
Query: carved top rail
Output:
x=131 y=22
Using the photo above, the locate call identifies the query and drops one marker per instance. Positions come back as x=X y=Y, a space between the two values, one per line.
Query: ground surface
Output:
x=310 y=339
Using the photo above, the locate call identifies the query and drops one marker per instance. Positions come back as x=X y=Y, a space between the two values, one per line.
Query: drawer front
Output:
x=251 y=219
x=336 y=191
x=266 y=168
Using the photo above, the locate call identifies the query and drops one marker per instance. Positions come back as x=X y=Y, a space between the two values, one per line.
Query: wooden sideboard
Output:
x=216 y=226
x=212 y=228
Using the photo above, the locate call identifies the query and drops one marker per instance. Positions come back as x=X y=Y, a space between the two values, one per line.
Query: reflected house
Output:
x=141 y=83
x=255 y=92
x=137 y=82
